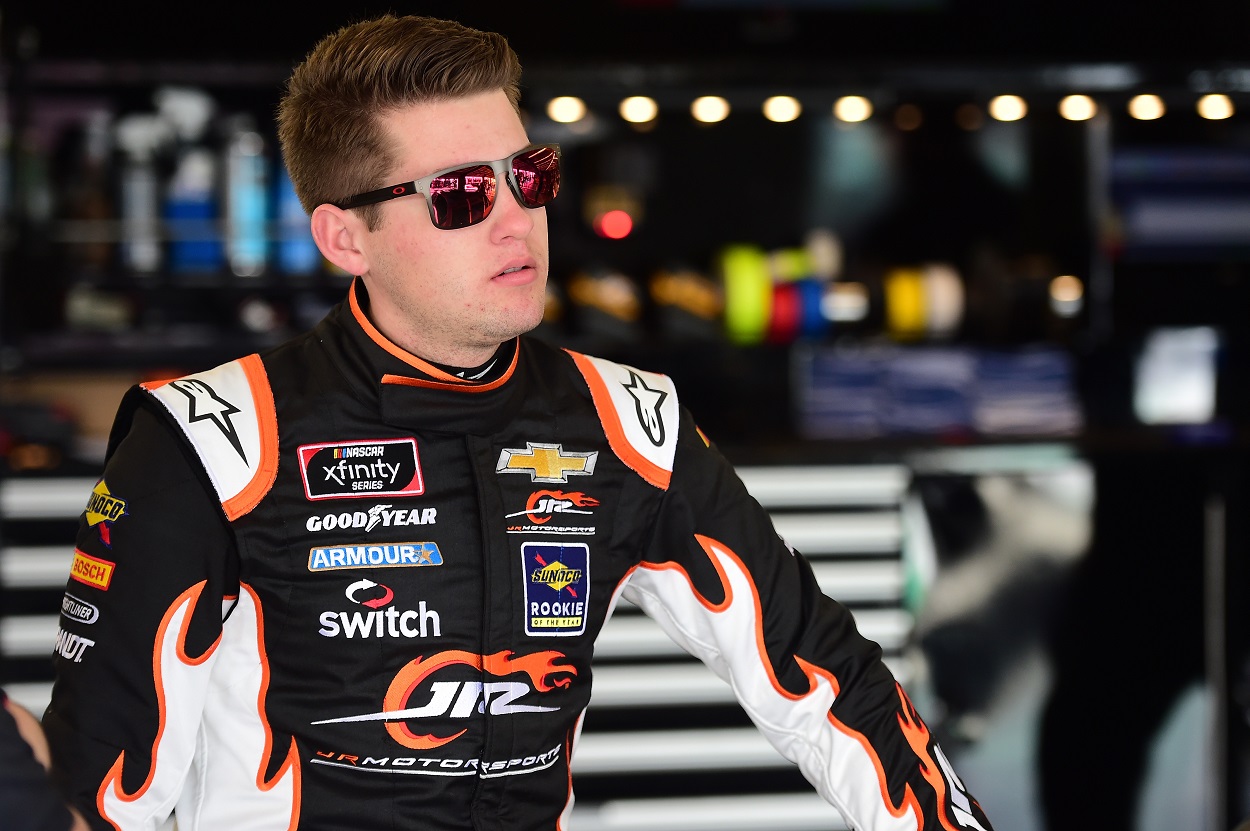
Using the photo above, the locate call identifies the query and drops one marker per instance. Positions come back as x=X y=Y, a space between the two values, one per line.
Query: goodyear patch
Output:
x=557 y=587
x=382 y=555
x=103 y=509
x=92 y=571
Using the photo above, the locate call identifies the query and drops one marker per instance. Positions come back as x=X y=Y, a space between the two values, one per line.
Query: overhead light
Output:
x=639 y=109
x=1008 y=108
x=614 y=224
x=852 y=108
x=1078 y=108
x=782 y=108
x=969 y=117
x=710 y=109
x=1067 y=295
x=1146 y=107
x=908 y=117
x=566 y=109
x=1215 y=106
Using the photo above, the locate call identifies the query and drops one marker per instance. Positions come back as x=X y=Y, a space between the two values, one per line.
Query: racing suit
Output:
x=329 y=587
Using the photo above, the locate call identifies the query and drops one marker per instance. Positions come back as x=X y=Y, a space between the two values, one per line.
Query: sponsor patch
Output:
x=421 y=713
x=438 y=766
x=71 y=647
x=557 y=587
x=378 y=516
x=545 y=505
x=204 y=404
x=546 y=462
x=77 y=609
x=381 y=555
x=91 y=570
x=103 y=509
x=383 y=619
x=381 y=467
x=647 y=407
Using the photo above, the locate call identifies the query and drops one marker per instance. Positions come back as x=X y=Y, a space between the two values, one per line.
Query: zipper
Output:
x=473 y=452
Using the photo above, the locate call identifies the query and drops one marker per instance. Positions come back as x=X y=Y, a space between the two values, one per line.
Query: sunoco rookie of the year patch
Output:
x=557 y=587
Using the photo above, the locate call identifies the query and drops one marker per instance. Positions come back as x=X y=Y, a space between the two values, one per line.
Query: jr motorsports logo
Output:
x=431 y=701
x=557 y=587
x=545 y=505
x=381 y=467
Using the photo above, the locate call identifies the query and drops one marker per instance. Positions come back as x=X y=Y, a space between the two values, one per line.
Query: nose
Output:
x=509 y=218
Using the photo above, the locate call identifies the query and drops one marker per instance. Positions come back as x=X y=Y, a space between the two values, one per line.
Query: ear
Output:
x=340 y=234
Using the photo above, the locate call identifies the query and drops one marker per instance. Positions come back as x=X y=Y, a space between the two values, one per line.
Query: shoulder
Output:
x=227 y=415
x=639 y=411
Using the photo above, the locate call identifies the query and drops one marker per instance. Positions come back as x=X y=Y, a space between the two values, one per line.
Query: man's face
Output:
x=454 y=296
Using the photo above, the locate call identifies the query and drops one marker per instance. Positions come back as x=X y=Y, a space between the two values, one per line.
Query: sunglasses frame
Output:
x=501 y=167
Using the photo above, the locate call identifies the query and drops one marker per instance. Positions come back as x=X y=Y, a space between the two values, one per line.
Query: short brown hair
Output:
x=328 y=118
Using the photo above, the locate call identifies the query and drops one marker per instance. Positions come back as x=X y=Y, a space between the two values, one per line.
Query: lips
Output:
x=518 y=270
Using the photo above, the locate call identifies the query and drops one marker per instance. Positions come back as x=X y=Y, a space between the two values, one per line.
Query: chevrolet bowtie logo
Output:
x=546 y=462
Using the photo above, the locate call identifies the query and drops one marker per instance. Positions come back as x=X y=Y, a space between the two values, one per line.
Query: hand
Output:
x=31 y=730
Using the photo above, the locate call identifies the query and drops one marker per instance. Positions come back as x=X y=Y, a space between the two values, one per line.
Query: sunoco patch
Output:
x=344 y=469
x=557 y=587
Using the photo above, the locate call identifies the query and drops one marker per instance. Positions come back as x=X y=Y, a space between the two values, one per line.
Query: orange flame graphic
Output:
x=538 y=666
x=578 y=498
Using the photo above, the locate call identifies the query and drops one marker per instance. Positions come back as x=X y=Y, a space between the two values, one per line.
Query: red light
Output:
x=614 y=224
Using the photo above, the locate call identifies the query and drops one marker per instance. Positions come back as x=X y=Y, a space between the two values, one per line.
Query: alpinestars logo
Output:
x=460 y=693
x=647 y=406
x=205 y=404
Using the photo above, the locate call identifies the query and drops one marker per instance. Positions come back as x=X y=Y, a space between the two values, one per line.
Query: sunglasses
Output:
x=462 y=196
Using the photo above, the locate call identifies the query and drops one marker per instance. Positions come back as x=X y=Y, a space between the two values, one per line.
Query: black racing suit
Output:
x=334 y=587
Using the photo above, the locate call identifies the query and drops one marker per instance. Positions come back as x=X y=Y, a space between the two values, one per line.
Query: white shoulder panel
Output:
x=640 y=414
x=223 y=416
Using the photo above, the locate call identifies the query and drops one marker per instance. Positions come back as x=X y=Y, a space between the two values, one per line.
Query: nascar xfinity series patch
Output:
x=381 y=467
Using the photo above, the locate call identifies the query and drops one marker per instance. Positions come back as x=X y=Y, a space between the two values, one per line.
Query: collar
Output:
x=412 y=392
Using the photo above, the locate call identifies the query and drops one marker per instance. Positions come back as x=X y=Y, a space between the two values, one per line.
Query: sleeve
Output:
x=153 y=573
x=723 y=585
x=26 y=795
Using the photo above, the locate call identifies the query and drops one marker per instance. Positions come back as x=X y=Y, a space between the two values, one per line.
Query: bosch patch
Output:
x=557 y=587
x=93 y=571
x=379 y=467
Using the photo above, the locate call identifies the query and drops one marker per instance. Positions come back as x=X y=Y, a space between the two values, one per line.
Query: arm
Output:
x=139 y=626
x=717 y=578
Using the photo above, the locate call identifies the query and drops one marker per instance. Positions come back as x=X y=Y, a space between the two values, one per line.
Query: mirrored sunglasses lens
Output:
x=463 y=197
x=537 y=175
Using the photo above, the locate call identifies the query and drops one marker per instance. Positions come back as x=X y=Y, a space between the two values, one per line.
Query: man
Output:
x=298 y=597
x=27 y=800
